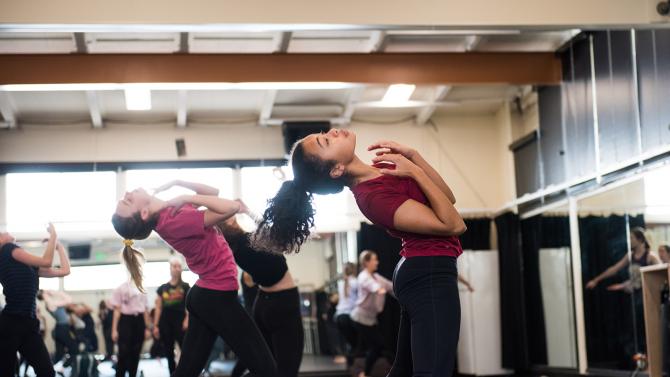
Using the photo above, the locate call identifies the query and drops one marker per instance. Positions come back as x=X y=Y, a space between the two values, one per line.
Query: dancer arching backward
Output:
x=212 y=302
x=405 y=195
x=19 y=326
x=170 y=317
x=276 y=310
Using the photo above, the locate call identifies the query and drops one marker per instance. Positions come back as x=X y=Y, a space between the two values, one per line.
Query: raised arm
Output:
x=440 y=219
x=414 y=156
x=63 y=270
x=218 y=209
x=47 y=257
x=198 y=188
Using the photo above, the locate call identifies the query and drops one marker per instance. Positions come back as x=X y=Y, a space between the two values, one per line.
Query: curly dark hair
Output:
x=289 y=216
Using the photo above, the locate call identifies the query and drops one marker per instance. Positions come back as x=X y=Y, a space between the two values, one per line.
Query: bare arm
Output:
x=465 y=282
x=45 y=260
x=115 y=324
x=611 y=271
x=413 y=155
x=434 y=176
x=198 y=188
x=63 y=270
x=218 y=209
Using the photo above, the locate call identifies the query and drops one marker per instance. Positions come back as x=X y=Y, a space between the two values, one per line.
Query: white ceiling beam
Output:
x=281 y=42
x=94 y=109
x=182 y=110
x=472 y=42
x=268 y=104
x=441 y=91
x=354 y=96
x=377 y=41
x=8 y=110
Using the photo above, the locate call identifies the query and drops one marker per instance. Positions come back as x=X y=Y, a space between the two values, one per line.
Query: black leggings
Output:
x=171 y=330
x=427 y=290
x=131 y=338
x=371 y=342
x=277 y=315
x=64 y=340
x=348 y=331
x=213 y=313
x=22 y=334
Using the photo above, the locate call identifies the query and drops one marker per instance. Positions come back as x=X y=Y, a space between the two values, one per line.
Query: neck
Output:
x=156 y=205
x=370 y=271
x=360 y=171
x=175 y=280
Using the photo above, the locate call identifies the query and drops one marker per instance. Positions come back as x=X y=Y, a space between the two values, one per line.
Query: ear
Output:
x=337 y=171
x=144 y=214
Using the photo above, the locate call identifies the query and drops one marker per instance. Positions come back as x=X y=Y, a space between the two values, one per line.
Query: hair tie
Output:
x=128 y=243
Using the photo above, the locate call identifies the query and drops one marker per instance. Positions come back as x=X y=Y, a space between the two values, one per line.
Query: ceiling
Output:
x=271 y=104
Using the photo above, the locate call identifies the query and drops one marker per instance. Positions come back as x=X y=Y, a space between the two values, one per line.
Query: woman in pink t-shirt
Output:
x=405 y=195
x=212 y=302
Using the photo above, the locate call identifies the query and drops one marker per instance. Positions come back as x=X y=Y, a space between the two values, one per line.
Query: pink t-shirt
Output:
x=206 y=251
x=129 y=299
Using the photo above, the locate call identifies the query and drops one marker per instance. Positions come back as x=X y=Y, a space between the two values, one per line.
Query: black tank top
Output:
x=266 y=268
x=20 y=283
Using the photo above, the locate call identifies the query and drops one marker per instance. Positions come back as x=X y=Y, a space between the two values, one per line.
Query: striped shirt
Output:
x=20 y=283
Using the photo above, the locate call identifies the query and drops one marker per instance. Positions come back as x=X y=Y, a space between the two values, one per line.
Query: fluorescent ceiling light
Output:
x=138 y=99
x=398 y=93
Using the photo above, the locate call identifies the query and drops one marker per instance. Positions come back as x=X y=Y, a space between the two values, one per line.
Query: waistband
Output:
x=133 y=316
x=291 y=292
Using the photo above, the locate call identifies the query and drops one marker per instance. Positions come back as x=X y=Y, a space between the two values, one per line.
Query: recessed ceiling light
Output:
x=398 y=93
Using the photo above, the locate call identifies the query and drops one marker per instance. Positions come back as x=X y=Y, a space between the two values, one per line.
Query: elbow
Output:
x=45 y=263
x=454 y=229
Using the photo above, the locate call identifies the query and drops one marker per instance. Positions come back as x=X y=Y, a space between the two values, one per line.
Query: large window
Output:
x=72 y=201
x=221 y=178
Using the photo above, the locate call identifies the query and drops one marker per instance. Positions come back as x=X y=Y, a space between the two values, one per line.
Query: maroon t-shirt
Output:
x=380 y=197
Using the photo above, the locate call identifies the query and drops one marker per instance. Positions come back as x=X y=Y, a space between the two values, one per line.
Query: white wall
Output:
x=470 y=151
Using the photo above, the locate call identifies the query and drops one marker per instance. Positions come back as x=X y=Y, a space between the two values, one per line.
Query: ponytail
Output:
x=133 y=259
x=349 y=270
x=133 y=228
x=287 y=221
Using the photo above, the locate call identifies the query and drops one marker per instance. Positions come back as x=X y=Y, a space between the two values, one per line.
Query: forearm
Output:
x=440 y=203
x=433 y=175
x=198 y=188
x=147 y=319
x=157 y=315
x=48 y=256
x=115 y=320
x=64 y=261
x=215 y=204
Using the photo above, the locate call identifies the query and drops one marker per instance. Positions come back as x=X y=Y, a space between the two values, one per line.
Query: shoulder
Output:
x=8 y=247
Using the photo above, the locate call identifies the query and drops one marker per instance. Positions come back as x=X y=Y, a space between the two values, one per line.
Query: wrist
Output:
x=412 y=154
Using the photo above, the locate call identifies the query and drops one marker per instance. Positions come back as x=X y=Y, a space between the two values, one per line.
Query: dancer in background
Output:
x=347 y=289
x=170 y=316
x=406 y=196
x=106 y=317
x=372 y=289
x=212 y=302
x=130 y=326
x=276 y=310
x=19 y=327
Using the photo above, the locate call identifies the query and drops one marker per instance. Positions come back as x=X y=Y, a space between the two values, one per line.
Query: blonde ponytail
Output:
x=133 y=260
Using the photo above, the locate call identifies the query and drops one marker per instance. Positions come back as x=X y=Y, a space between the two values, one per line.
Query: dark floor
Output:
x=311 y=366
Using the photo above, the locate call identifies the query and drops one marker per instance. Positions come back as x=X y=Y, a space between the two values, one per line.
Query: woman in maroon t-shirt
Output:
x=406 y=196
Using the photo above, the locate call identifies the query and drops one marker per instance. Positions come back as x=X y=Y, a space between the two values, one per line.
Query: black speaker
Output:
x=79 y=251
x=181 y=147
x=294 y=131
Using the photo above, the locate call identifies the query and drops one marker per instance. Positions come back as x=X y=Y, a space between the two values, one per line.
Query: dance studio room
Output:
x=357 y=188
